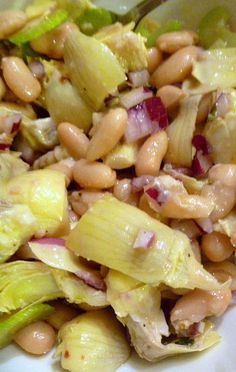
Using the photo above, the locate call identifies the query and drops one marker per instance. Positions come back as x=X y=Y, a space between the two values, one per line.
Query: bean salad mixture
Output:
x=117 y=183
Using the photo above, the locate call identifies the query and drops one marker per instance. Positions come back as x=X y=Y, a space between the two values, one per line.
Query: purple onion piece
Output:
x=156 y=194
x=37 y=69
x=4 y=147
x=145 y=119
x=138 y=183
x=200 y=143
x=144 y=239
x=201 y=164
x=93 y=280
x=50 y=241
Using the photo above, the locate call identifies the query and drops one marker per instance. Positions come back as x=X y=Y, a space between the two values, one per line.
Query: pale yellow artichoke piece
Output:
x=94 y=341
x=93 y=69
x=106 y=234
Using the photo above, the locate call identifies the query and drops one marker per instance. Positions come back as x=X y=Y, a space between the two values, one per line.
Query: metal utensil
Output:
x=139 y=11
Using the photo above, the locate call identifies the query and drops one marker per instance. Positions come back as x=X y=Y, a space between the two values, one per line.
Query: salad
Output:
x=118 y=183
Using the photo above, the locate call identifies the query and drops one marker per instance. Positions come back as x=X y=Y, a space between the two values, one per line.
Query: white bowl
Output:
x=220 y=358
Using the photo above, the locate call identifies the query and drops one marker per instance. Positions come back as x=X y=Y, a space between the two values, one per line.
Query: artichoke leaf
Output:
x=170 y=260
x=93 y=69
x=138 y=308
x=95 y=340
x=23 y=283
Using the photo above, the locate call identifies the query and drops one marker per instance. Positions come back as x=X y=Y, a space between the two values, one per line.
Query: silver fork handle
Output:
x=139 y=11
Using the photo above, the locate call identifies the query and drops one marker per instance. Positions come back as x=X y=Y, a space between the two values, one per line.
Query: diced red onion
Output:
x=200 y=143
x=222 y=105
x=4 y=147
x=135 y=96
x=178 y=171
x=144 y=239
x=201 y=164
x=147 y=118
x=205 y=224
x=157 y=194
x=12 y=123
x=139 y=78
x=50 y=241
x=233 y=300
x=37 y=69
x=138 y=183
x=93 y=280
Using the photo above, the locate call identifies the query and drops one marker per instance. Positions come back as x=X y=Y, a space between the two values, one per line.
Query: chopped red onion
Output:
x=4 y=147
x=201 y=164
x=138 y=183
x=139 y=78
x=50 y=241
x=222 y=105
x=12 y=123
x=205 y=224
x=157 y=194
x=144 y=239
x=178 y=171
x=37 y=69
x=200 y=143
x=233 y=300
x=93 y=280
x=135 y=96
x=147 y=118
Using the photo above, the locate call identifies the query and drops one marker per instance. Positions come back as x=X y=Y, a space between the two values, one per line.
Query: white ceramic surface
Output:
x=220 y=358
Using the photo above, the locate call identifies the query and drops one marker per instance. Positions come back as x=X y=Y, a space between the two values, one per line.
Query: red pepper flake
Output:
x=66 y=354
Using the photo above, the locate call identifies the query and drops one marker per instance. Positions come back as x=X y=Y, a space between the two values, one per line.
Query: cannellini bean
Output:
x=20 y=80
x=188 y=227
x=73 y=139
x=2 y=89
x=216 y=246
x=223 y=198
x=93 y=175
x=197 y=305
x=108 y=134
x=176 y=68
x=173 y=41
x=123 y=191
x=52 y=43
x=63 y=313
x=64 y=169
x=37 y=338
x=205 y=107
x=170 y=96
x=225 y=173
x=223 y=271
x=196 y=250
x=151 y=154
x=11 y=21
x=82 y=200
x=154 y=59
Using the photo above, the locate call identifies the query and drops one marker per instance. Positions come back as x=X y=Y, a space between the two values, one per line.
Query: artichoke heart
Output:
x=93 y=69
x=170 y=260
x=93 y=341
